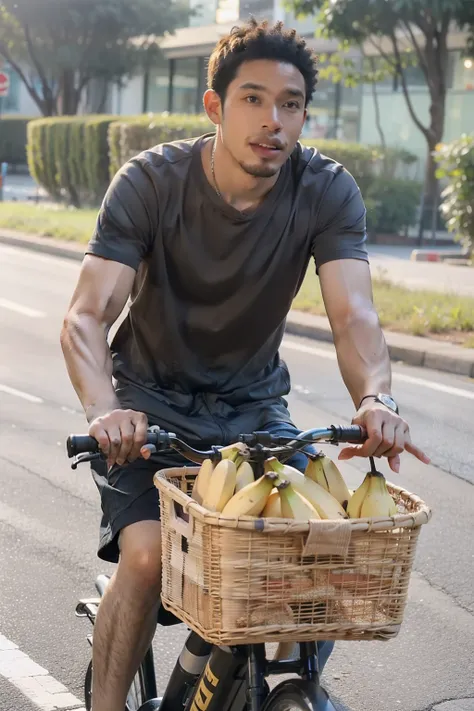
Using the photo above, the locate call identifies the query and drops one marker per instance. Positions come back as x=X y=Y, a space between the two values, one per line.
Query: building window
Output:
x=227 y=11
x=463 y=72
x=260 y=9
x=204 y=12
x=158 y=86
x=185 y=85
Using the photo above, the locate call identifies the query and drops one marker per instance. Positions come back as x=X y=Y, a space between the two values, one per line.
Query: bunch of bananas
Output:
x=230 y=488
x=372 y=499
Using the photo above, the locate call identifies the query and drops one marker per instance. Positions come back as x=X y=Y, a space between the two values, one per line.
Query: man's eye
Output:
x=251 y=99
x=292 y=105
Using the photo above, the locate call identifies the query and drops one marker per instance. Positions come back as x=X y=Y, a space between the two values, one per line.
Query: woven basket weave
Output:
x=251 y=580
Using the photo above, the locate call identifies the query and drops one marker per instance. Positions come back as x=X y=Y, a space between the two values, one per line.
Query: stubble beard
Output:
x=259 y=171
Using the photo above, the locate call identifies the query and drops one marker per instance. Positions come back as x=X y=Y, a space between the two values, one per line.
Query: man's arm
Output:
x=98 y=300
x=363 y=359
x=122 y=239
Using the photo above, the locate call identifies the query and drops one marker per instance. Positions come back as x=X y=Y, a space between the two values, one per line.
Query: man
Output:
x=212 y=238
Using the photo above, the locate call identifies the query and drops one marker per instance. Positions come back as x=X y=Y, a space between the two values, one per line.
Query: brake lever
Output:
x=87 y=457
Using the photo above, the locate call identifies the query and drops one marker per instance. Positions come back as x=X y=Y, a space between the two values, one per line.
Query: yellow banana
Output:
x=378 y=502
x=273 y=506
x=235 y=452
x=221 y=486
x=324 y=503
x=251 y=500
x=294 y=505
x=245 y=476
x=357 y=498
x=324 y=472
x=201 y=482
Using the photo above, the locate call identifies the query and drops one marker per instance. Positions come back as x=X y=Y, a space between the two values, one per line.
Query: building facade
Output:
x=176 y=82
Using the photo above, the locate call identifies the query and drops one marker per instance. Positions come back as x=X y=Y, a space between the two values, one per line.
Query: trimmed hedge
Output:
x=128 y=137
x=13 y=139
x=74 y=158
x=131 y=136
x=392 y=205
x=68 y=156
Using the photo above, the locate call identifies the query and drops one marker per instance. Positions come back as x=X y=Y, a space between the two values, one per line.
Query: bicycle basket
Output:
x=251 y=580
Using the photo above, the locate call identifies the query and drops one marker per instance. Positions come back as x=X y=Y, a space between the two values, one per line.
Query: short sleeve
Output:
x=340 y=232
x=128 y=217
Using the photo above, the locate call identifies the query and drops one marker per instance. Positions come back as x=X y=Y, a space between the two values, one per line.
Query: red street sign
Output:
x=4 y=83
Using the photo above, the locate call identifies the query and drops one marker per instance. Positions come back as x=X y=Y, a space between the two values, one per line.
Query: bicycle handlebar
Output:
x=258 y=443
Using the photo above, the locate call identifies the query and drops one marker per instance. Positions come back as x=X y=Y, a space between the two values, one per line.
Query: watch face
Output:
x=388 y=401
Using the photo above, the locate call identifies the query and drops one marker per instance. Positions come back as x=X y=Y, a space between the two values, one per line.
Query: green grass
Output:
x=419 y=312
x=423 y=313
x=47 y=221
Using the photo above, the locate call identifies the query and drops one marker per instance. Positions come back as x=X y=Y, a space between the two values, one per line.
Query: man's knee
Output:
x=140 y=553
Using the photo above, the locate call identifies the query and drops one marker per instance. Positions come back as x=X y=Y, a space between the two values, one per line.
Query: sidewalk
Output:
x=414 y=350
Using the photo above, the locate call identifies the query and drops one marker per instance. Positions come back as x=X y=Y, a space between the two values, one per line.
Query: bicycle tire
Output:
x=136 y=696
x=298 y=695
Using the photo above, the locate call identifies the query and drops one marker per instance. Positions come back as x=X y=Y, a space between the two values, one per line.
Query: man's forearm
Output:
x=89 y=364
x=363 y=355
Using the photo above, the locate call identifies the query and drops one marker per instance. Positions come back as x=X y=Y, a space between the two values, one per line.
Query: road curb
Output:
x=413 y=350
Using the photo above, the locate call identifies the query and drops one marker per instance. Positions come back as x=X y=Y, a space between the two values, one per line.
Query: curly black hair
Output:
x=257 y=40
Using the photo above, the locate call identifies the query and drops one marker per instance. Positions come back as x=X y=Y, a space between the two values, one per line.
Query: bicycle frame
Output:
x=233 y=678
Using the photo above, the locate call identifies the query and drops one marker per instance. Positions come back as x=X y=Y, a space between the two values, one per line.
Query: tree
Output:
x=58 y=47
x=402 y=32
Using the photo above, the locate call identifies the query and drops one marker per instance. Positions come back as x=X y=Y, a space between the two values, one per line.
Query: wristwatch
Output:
x=383 y=399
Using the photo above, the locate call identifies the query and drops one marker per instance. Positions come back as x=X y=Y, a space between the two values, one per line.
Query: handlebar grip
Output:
x=349 y=433
x=80 y=444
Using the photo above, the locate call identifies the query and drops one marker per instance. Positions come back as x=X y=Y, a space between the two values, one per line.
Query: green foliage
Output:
x=129 y=136
x=74 y=158
x=365 y=163
x=68 y=156
x=392 y=205
x=456 y=165
x=13 y=139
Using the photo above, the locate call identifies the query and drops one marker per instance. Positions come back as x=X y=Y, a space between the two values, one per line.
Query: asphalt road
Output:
x=49 y=514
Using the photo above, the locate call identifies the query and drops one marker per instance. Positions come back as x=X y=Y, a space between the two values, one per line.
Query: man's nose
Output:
x=272 y=122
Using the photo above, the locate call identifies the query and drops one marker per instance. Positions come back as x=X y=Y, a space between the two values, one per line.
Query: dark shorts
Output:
x=128 y=494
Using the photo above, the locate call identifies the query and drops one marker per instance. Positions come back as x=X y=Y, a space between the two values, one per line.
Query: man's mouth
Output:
x=265 y=150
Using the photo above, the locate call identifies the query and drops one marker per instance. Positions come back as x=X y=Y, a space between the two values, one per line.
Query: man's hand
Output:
x=388 y=436
x=120 y=434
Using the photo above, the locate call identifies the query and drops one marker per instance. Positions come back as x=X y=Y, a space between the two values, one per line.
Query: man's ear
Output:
x=213 y=106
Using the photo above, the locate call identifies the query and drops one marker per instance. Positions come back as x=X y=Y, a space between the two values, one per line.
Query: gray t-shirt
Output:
x=198 y=351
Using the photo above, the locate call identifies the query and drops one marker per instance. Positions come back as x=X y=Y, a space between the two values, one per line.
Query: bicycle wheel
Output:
x=136 y=696
x=298 y=695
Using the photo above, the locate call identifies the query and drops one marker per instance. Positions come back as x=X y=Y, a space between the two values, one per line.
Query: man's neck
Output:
x=236 y=187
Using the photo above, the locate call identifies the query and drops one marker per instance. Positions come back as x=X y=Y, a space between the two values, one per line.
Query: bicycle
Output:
x=207 y=677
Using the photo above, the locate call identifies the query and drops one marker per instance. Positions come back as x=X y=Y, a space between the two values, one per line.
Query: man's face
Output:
x=263 y=114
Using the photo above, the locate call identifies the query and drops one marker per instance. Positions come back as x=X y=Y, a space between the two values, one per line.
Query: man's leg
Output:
x=127 y=615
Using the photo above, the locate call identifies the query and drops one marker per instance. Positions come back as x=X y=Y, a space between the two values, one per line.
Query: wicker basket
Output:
x=251 y=580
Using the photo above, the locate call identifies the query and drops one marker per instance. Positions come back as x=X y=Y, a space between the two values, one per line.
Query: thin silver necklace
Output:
x=214 y=145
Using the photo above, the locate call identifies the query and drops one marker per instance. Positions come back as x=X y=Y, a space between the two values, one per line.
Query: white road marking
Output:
x=38 y=256
x=35 y=682
x=19 y=393
x=20 y=309
x=321 y=352
x=430 y=384
x=459 y=392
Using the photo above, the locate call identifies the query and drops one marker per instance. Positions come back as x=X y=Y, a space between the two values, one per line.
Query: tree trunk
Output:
x=430 y=202
x=378 y=121
x=69 y=96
